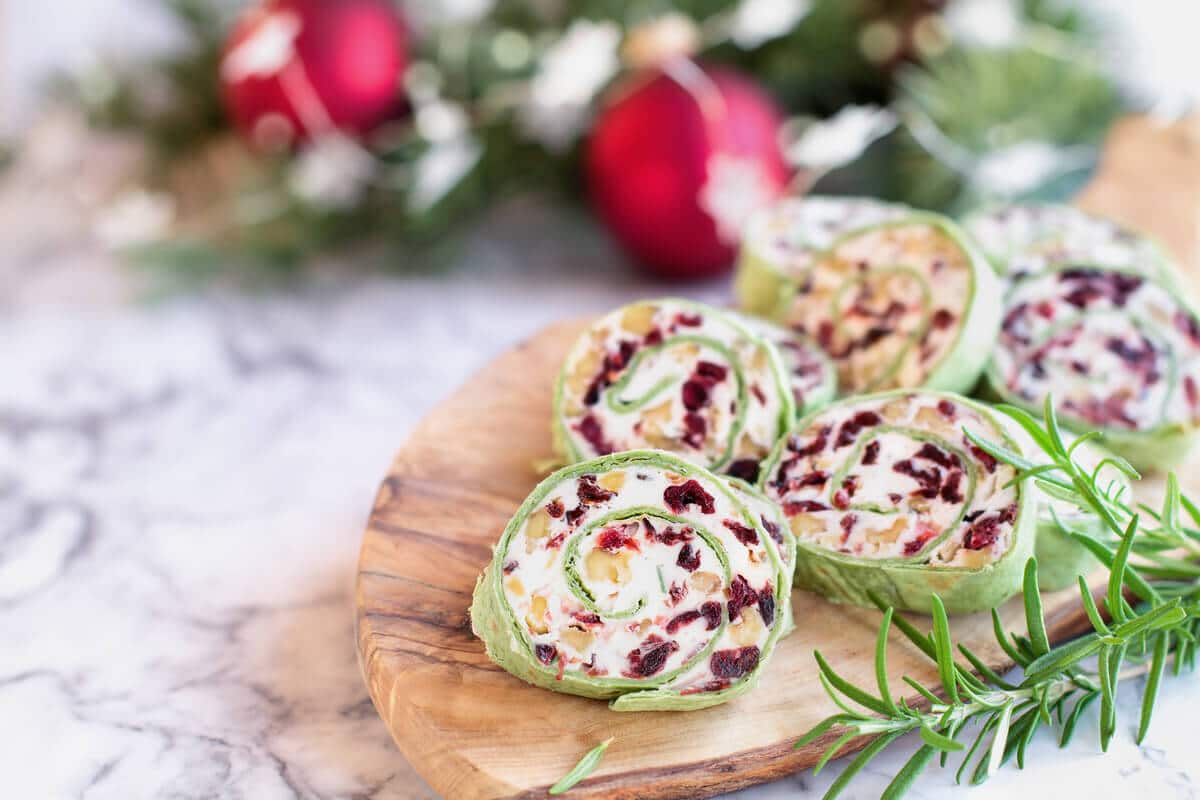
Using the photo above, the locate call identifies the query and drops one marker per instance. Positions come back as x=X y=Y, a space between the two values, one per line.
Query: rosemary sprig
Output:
x=1059 y=682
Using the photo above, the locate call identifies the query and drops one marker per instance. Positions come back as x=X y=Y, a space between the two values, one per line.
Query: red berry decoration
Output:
x=677 y=161
x=296 y=69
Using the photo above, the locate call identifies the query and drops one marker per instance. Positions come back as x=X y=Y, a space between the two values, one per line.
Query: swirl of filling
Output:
x=637 y=576
x=884 y=491
x=677 y=376
x=783 y=241
x=1118 y=352
x=894 y=305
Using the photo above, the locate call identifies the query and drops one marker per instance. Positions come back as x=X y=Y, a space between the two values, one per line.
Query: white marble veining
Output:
x=183 y=486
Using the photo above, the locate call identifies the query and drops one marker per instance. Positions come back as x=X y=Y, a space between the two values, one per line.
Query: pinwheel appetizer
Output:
x=813 y=378
x=886 y=495
x=1119 y=352
x=782 y=242
x=1029 y=239
x=639 y=577
x=677 y=376
x=894 y=305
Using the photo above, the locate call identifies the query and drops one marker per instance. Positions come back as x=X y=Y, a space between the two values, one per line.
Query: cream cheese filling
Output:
x=677 y=377
x=1117 y=350
x=895 y=478
x=623 y=582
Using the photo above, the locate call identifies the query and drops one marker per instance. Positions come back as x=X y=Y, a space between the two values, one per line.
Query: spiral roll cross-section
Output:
x=782 y=243
x=638 y=577
x=885 y=494
x=899 y=305
x=1118 y=352
x=677 y=376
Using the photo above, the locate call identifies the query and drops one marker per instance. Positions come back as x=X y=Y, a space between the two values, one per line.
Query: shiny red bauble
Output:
x=677 y=160
x=297 y=69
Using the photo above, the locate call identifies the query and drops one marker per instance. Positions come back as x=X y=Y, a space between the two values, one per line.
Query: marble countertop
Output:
x=183 y=487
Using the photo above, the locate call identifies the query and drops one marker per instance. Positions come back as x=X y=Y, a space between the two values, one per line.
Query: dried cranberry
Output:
x=841 y=499
x=766 y=605
x=814 y=478
x=688 y=493
x=510 y=566
x=546 y=653
x=712 y=615
x=942 y=318
x=651 y=655
x=816 y=445
x=586 y=618
x=627 y=349
x=1186 y=324
x=985 y=458
x=689 y=558
x=895 y=498
x=1014 y=316
x=793 y=508
x=574 y=515
x=946 y=408
x=771 y=528
x=679 y=620
x=930 y=480
x=914 y=546
x=874 y=334
x=708 y=369
x=555 y=508
x=847 y=523
x=745 y=468
x=733 y=663
x=1133 y=356
x=613 y=539
x=982 y=534
x=689 y=320
x=677 y=592
x=695 y=395
x=741 y=595
x=697 y=427
x=757 y=391
x=871 y=453
x=593 y=432
x=654 y=337
x=651 y=532
x=950 y=489
x=850 y=484
x=931 y=452
x=825 y=334
x=1189 y=390
x=1008 y=513
x=851 y=427
x=744 y=533
x=671 y=535
x=591 y=492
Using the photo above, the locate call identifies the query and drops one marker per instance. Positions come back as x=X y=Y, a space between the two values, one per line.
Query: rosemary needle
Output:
x=581 y=770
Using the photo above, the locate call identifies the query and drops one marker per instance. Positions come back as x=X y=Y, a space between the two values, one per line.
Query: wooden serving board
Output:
x=474 y=731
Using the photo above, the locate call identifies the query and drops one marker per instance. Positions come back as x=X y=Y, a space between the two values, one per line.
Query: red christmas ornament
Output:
x=679 y=159
x=296 y=69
